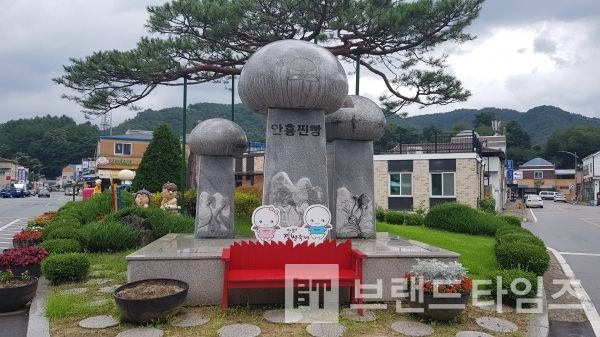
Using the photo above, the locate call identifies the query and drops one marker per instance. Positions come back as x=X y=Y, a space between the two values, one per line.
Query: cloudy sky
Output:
x=528 y=53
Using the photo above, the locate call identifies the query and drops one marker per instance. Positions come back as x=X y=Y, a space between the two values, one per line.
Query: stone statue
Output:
x=98 y=188
x=169 y=197
x=142 y=198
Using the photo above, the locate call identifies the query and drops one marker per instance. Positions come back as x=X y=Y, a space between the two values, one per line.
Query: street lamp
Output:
x=126 y=176
x=34 y=166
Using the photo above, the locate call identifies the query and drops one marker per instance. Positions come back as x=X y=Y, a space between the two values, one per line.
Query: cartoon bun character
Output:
x=317 y=218
x=265 y=221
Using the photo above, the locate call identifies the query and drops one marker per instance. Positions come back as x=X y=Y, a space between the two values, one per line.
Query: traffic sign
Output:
x=509 y=164
x=509 y=175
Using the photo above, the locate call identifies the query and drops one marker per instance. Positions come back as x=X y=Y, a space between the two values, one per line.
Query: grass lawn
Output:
x=476 y=252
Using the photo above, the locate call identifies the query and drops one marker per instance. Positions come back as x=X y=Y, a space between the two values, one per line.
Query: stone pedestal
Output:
x=295 y=172
x=215 y=202
x=351 y=188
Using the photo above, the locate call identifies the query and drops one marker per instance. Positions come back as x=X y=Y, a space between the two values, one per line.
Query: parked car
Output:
x=560 y=197
x=5 y=193
x=27 y=193
x=68 y=191
x=44 y=193
x=534 y=201
x=548 y=195
x=14 y=192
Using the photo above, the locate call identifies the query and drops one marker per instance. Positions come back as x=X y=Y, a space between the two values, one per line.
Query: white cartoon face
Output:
x=317 y=215
x=266 y=216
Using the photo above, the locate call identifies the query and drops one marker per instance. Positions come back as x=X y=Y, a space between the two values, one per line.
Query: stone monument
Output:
x=216 y=141
x=295 y=83
x=350 y=134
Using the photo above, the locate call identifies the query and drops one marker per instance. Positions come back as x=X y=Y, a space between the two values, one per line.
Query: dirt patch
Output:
x=147 y=291
x=15 y=283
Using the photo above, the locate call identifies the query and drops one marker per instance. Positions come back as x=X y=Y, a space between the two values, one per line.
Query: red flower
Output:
x=21 y=257
x=33 y=236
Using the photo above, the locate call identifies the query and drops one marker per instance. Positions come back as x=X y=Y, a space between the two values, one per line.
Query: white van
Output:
x=548 y=195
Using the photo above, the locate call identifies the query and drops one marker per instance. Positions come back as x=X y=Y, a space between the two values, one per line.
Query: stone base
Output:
x=198 y=262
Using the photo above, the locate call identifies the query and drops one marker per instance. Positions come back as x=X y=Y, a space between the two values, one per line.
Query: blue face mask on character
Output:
x=317 y=229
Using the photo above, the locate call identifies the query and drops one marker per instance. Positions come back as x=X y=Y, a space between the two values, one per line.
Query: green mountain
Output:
x=539 y=122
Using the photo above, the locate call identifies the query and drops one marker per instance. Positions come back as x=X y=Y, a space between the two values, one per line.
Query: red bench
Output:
x=262 y=265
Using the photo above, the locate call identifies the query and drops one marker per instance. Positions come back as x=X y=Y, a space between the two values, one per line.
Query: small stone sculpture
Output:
x=169 y=197
x=142 y=198
x=98 y=188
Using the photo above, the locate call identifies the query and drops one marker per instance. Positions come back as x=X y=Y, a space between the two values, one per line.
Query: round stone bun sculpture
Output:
x=218 y=137
x=359 y=119
x=293 y=74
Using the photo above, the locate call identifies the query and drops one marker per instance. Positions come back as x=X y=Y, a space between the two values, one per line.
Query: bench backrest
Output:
x=275 y=255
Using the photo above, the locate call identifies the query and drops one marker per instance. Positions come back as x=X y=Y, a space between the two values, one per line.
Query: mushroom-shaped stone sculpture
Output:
x=216 y=141
x=293 y=74
x=359 y=119
x=350 y=133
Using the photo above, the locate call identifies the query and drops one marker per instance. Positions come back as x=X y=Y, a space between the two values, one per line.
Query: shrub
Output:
x=55 y=225
x=69 y=233
x=511 y=220
x=394 y=217
x=461 y=218
x=487 y=204
x=520 y=237
x=253 y=190
x=507 y=277
x=156 y=199
x=519 y=255
x=380 y=214
x=107 y=236
x=411 y=219
x=61 y=268
x=245 y=204
x=60 y=246
x=162 y=222
x=506 y=229
x=190 y=197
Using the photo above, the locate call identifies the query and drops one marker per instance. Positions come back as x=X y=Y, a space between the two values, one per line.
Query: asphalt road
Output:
x=574 y=231
x=14 y=214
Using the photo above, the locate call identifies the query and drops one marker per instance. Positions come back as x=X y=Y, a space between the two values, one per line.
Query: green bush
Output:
x=107 y=236
x=520 y=237
x=60 y=246
x=245 y=204
x=380 y=214
x=511 y=220
x=254 y=190
x=461 y=218
x=507 y=277
x=55 y=225
x=70 y=233
x=162 y=222
x=61 y=268
x=487 y=205
x=190 y=197
x=506 y=229
x=394 y=217
x=524 y=256
x=412 y=219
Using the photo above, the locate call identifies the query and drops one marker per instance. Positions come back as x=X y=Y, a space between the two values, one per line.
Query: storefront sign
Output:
x=105 y=161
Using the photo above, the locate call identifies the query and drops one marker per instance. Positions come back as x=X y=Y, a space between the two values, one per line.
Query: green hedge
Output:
x=524 y=256
x=245 y=204
x=520 y=237
x=412 y=219
x=61 y=268
x=511 y=229
x=107 y=236
x=507 y=277
x=61 y=246
x=461 y=218
x=70 y=233
x=511 y=220
x=395 y=218
x=162 y=222
x=58 y=224
x=380 y=214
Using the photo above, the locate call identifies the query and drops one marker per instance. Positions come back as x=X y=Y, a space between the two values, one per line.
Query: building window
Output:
x=538 y=174
x=400 y=184
x=442 y=184
x=123 y=149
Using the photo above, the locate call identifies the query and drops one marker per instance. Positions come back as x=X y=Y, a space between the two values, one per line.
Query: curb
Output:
x=539 y=325
x=38 y=325
x=586 y=303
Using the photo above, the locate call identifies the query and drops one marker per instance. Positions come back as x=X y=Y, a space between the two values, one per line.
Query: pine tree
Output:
x=161 y=162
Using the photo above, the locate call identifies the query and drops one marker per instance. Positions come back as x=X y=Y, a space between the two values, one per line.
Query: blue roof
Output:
x=138 y=137
x=538 y=162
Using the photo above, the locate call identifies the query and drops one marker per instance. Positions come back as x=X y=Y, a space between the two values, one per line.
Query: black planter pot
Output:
x=34 y=270
x=23 y=243
x=142 y=310
x=440 y=314
x=12 y=299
